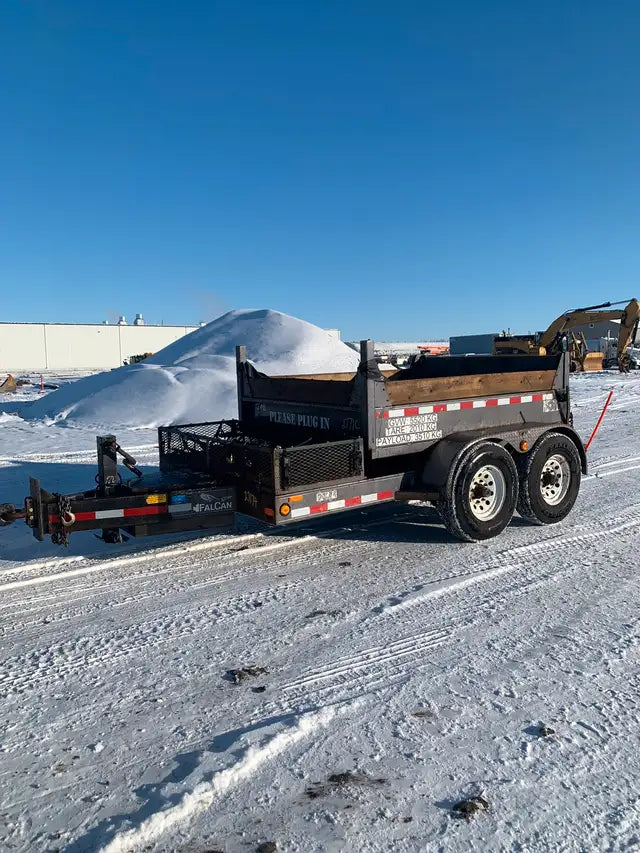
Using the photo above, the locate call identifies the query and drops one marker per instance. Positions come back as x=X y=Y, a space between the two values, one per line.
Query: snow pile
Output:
x=194 y=378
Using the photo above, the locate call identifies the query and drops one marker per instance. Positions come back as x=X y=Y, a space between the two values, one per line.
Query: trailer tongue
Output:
x=477 y=437
x=164 y=505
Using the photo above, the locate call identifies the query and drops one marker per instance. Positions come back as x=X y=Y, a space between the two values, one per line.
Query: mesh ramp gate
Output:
x=222 y=451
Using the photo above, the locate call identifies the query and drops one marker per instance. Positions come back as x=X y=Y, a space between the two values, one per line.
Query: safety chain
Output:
x=64 y=509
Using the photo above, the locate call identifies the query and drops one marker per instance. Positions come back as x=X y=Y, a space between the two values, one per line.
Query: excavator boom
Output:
x=582 y=316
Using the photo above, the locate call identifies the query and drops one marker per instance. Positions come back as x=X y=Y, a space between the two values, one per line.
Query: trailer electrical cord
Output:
x=597 y=426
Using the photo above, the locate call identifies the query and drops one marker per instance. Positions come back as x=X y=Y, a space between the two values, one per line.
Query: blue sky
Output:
x=398 y=170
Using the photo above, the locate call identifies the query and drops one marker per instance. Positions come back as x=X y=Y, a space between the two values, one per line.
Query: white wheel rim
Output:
x=554 y=479
x=487 y=492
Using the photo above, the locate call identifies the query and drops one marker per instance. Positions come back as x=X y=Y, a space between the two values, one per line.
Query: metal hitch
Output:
x=9 y=514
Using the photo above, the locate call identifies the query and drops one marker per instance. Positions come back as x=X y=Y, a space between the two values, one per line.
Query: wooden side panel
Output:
x=459 y=387
x=330 y=377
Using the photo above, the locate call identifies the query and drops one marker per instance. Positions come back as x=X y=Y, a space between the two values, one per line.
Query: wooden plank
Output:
x=461 y=387
x=327 y=377
x=333 y=377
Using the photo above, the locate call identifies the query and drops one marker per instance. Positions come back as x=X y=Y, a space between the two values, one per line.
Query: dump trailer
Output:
x=478 y=437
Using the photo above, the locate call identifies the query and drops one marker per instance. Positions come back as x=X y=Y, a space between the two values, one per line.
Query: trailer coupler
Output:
x=9 y=514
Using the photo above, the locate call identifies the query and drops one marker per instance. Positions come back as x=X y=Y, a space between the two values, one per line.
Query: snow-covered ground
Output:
x=417 y=669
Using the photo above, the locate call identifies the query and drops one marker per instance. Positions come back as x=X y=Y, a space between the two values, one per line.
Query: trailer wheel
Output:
x=550 y=482
x=481 y=496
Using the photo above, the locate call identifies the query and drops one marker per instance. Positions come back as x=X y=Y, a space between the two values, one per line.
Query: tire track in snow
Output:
x=615 y=473
x=372 y=658
x=619 y=402
x=163 y=553
x=62 y=605
x=10 y=568
x=377 y=667
x=183 y=573
x=617 y=465
x=41 y=667
x=28 y=672
x=525 y=555
x=121 y=562
x=619 y=460
x=399 y=667
x=588 y=726
x=143 y=588
x=58 y=660
x=140 y=555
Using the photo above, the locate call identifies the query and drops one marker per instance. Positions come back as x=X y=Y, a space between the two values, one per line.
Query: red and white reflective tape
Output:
x=437 y=408
x=345 y=503
x=129 y=512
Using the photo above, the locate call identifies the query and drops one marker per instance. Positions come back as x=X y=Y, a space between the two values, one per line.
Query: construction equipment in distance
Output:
x=559 y=336
x=583 y=359
x=609 y=350
x=8 y=386
x=136 y=359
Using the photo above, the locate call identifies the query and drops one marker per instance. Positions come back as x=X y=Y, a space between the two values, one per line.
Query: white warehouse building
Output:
x=83 y=346
x=76 y=346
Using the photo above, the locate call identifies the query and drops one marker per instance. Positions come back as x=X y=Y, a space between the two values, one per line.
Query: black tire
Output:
x=461 y=512
x=532 y=503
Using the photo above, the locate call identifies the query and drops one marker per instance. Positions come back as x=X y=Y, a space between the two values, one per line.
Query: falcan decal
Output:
x=211 y=503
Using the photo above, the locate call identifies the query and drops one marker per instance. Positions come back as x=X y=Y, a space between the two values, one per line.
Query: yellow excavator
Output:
x=8 y=386
x=552 y=340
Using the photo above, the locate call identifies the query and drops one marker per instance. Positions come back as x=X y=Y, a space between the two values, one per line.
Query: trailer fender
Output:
x=442 y=460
